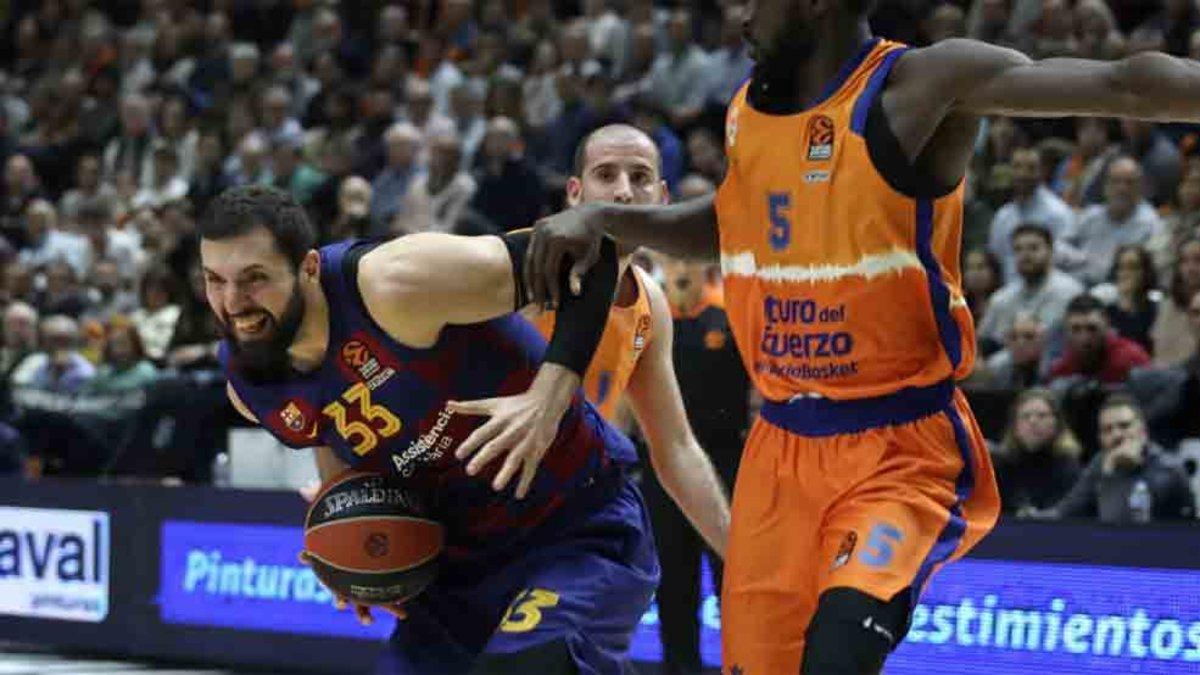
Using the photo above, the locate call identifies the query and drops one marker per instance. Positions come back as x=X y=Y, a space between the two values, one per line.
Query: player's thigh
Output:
x=769 y=585
x=891 y=530
x=588 y=591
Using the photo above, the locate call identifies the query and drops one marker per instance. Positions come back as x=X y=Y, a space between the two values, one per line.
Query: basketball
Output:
x=370 y=541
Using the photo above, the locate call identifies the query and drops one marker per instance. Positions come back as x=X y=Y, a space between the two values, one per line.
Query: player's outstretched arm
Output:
x=976 y=78
x=683 y=230
x=682 y=466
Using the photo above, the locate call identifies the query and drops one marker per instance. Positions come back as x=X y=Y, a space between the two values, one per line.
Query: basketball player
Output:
x=620 y=164
x=838 y=229
x=358 y=347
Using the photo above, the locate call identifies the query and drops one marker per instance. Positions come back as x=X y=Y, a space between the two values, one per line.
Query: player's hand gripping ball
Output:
x=371 y=542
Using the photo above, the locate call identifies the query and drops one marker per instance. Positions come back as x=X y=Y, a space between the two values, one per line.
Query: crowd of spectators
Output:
x=120 y=121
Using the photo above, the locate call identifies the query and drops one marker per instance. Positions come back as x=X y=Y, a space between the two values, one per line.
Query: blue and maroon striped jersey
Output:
x=380 y=405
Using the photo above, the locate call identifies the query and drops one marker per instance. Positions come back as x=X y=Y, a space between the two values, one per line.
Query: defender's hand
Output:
x=573 y=234
x=524 y=426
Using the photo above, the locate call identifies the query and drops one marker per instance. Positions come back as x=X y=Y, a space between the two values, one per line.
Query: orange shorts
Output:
x=872 y=495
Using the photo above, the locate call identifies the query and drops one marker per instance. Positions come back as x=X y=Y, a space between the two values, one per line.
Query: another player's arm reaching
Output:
x=414 y=286
x=680 y=463
x=686 y=230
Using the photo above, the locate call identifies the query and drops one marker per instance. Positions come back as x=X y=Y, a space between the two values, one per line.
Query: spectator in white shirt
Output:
x=1039 y=290
x=1032 y=204
x=1124 y=218
x=48 y=243
x=437 y=199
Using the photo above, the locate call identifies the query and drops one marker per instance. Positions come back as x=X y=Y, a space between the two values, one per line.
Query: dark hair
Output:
x=1121 y=399
x=1085 y=303
x=162 y=277
x=239 y=210
x=1179 y=293
x=1034 y=229
x=860 y=6
x=1146 y=260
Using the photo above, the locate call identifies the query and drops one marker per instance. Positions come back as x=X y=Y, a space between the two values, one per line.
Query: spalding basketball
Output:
x=371 y=541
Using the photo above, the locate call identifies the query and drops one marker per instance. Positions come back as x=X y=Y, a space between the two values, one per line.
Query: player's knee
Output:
x=548 y=658
x=852 y=633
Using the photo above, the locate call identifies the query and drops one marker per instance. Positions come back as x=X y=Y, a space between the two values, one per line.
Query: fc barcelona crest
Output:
x=820 y=138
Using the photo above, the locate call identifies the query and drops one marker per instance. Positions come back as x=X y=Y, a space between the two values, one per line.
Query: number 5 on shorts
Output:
x=525 y=612
x=879 y=549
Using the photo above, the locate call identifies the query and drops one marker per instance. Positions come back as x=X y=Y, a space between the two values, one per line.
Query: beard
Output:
x=265 y=361
x=777 y=66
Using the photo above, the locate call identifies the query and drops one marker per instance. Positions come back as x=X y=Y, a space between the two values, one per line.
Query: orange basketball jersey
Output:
x=837 y=284
x=625 y=337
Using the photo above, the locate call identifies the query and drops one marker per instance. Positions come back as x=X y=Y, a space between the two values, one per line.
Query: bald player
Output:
x=620 y=164
x=838 y=227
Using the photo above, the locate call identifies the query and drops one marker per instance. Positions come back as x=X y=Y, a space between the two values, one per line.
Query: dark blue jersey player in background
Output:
x=358 y=348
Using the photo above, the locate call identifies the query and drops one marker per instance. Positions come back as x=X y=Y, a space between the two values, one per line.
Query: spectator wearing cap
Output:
x=1032 y=203
x=1157 y=156
x=58 y=367
x=437 y=198
x=1171 y=334
x=1037 y=463
x=389 y=189
x=1038 y=290
x=87 y=186
x=680 y=76
x=1127 y=481
x=511 y=195
x=291 y=173
x=46 y=242
x=1124 y=218
x=1094 y=351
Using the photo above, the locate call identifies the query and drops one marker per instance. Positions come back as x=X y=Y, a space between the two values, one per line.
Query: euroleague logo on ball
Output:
x=376 y=545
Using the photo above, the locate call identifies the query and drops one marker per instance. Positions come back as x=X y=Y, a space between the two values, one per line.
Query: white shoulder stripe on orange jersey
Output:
x=745 y=264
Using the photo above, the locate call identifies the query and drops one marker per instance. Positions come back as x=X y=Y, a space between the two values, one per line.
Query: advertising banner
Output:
x=54 y=563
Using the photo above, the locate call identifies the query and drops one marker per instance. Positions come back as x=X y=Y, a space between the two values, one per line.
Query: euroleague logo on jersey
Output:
x=820 y=138
x=358 y=356
x=640 y=333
